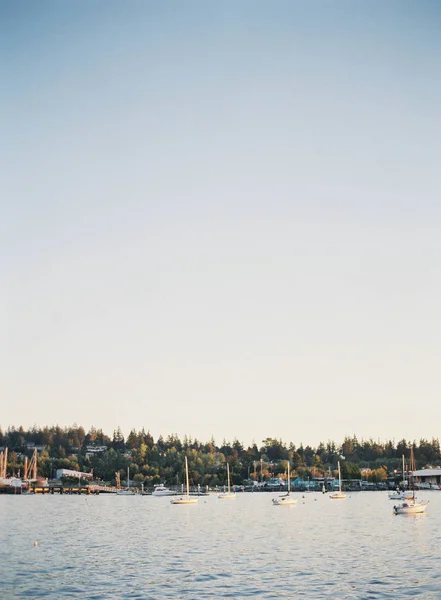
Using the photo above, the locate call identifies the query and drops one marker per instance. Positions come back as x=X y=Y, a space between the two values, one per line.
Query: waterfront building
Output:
x=429 y=477
x=69 y=473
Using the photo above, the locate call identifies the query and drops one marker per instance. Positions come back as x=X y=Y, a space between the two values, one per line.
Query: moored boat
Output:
x=185 y=498
x=286 y=499
x=403 y=494
x=340 y=495
x=161 y=490
x=411 y=506
x=227 y=494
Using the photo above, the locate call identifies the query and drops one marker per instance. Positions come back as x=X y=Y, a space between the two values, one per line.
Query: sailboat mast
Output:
x=228 y=477
x=404 y=477
x=186 y=476
x=128 y=480
x=412 y=470
x=339 y=477
x=289 y=480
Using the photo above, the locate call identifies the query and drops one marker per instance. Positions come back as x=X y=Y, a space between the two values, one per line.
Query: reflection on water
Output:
x=113 y=547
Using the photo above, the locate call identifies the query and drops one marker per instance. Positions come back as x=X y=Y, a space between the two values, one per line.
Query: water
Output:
x=110 y=547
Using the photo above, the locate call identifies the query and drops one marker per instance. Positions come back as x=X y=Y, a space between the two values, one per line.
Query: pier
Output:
x=55 y=489
x=61 y=489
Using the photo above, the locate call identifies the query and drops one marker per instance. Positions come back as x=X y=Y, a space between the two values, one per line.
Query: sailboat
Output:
x=227 y=495
x=410 y=506
x=127 y=491
x=286 y=499
x=403 y=494
x=185 y=499
x=338 y=495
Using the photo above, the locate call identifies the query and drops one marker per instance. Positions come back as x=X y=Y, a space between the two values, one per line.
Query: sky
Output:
x=221 y=219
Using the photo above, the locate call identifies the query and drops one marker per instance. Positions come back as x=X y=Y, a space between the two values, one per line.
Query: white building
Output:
x=68 y=473
x=431 y=476
x=93 y=450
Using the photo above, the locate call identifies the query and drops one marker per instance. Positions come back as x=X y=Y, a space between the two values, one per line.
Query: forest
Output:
x=162 y=460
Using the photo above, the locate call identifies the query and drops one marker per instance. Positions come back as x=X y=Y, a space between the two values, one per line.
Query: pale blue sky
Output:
x=222 y=218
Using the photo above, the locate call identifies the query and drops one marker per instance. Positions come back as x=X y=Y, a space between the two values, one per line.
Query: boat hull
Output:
x=164 y=493
x=403 y=496
x=410 y=508
x=284 y=501
x=184 y=500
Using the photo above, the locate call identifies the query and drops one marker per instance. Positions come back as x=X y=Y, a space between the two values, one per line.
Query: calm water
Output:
x=110 y=547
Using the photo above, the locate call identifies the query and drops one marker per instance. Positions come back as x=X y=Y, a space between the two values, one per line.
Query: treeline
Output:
x=162 y=460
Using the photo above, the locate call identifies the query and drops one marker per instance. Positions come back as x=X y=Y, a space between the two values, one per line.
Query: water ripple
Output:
x=112 y=548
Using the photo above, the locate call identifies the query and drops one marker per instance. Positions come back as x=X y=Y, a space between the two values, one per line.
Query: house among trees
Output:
x=34 y=446
x=93 y=449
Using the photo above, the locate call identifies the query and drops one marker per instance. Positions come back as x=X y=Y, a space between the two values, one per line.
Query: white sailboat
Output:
x=286 y=499
x=185 y=499
x=338 y=495
x=127 y=491
x=227 y=495
x=410 y=506
x=403 y=494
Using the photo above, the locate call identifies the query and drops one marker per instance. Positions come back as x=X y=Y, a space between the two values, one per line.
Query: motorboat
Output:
x=396 y=495
x=401 y=495
x=161 y=490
